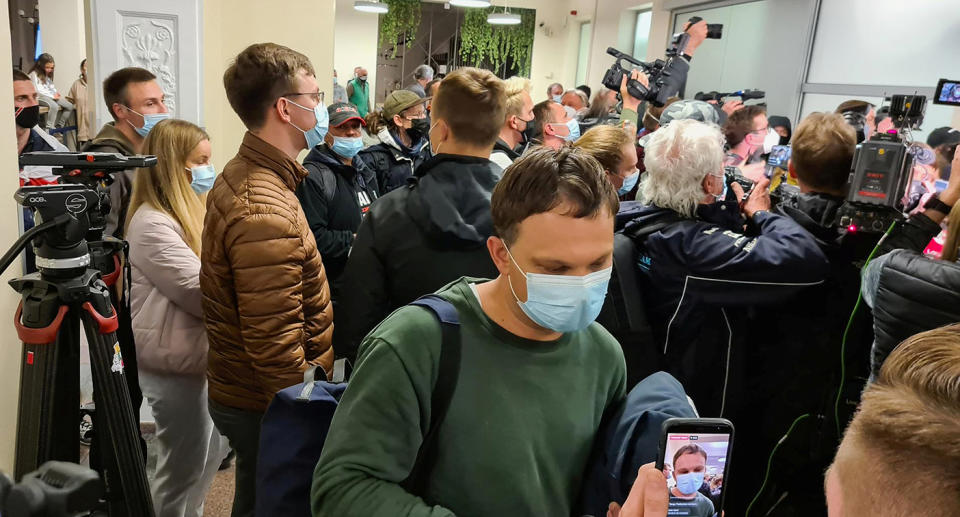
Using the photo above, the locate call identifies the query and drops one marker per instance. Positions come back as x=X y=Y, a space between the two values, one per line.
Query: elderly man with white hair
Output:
x=703 y=262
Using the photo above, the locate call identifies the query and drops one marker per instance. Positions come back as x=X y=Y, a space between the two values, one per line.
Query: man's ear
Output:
x=117 y=108
x=498 y=253
x=398 y=120
x=791 y=170
x=281 y=112
x=548 y=129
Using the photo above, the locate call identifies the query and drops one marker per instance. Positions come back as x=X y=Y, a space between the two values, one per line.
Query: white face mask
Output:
x=772 y=139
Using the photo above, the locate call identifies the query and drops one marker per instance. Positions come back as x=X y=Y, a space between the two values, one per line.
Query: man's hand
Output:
x=730 y=106
x=698 y=33
x=56 y=96
x=759 y=197
x=629 y=101
x=649 y=496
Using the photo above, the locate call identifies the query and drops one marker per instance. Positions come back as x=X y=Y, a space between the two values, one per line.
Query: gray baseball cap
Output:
x=686 y=109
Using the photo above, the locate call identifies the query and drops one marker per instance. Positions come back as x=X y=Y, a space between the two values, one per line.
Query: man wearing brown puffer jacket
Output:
x=265 y=296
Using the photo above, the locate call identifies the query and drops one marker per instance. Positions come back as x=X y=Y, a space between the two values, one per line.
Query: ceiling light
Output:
x=470 y=3
x=503 y=19
x=370 y=7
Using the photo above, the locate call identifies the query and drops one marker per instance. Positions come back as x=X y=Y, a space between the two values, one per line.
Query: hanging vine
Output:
x=401 y=21
x=486 y=45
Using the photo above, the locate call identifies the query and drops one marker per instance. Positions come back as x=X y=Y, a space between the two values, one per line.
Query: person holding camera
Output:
x=700 y=266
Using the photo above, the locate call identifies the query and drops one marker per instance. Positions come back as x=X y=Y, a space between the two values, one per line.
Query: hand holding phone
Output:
x=695 y=455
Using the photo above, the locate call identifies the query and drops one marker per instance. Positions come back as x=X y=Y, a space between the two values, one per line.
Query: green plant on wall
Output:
x=402 y=20
x=493 y=45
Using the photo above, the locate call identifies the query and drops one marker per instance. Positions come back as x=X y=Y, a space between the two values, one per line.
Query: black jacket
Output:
x=699 y=275
x=393 y=163
x=414 y=241
x=334 y=198
x=909 y=292
x=794 y=356
x=111 y=140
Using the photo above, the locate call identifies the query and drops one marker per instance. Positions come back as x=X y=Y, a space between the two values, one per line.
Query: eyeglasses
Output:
x=416 y=116
x=316 y=96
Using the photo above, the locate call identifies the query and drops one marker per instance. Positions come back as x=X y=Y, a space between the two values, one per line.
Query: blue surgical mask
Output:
x=629 y=182
x=556 y=98
x=689 y=483
x=315 y=134
x=203 y=176
x=563 y=303
x=573 y=127
x=347 y=147
x=149 y=120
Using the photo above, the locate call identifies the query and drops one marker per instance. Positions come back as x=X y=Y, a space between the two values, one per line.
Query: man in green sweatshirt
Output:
x=536 y=376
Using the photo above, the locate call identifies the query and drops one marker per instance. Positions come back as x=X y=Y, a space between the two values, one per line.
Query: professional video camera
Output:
x=665 y=77
x=718 y=96
x=56 y=489
x=881 y=172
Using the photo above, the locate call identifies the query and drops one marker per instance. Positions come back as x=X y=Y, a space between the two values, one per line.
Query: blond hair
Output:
x=605 y=144
x=515 y=87
x=822 y=151
x=906 y=434
x=166 y=185
x=472 y=102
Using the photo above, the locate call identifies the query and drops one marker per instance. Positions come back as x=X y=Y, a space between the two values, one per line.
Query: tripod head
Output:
x=72 y=213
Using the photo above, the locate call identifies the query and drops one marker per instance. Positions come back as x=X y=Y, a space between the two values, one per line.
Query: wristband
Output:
x=934 y=203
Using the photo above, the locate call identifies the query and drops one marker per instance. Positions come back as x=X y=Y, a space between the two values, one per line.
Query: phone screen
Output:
x=948 y=92
x=695 y=464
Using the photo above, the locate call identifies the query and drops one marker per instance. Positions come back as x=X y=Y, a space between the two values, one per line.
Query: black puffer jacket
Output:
x=913 y=294
x=414 y=241
x=334 y=198
x=393 y=163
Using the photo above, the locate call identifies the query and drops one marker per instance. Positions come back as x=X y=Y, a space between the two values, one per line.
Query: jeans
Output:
x=242 y=428
x=60 y=110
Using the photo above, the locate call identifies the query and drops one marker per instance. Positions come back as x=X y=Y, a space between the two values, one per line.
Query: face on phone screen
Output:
x=950 y=93
x=695 y=465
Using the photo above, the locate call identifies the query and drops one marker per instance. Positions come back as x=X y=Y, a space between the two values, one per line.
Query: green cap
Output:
x=400 y=100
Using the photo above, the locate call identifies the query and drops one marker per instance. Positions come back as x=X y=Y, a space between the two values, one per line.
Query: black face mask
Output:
x=527 y=133
x=419 y=128
x=28 y=117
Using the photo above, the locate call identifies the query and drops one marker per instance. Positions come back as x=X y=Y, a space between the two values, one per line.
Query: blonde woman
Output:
x=615 y=150
x=164 y=226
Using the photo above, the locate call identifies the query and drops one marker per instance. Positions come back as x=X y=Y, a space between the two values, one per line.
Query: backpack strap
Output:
x=447 y=375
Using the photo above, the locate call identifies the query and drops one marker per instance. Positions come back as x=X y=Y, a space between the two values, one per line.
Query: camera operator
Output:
x=697 y=264
x=901 y=274
x=862 y=115
x=746 y=130
x=944 y=142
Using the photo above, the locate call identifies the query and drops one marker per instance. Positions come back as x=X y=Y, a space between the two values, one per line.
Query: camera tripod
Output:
x=69 y=290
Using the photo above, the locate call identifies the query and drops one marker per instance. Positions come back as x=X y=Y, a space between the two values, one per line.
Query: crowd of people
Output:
x=507 y=208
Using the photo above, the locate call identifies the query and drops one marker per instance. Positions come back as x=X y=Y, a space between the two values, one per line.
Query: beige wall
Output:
x=10 y=348
x=229 y=26
x=64 y=37
x=355 y=36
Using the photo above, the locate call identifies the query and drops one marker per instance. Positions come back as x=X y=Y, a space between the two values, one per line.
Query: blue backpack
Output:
x=296 y=423
x=631 y=439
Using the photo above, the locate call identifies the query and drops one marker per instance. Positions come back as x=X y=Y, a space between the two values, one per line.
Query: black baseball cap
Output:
x=943 y=135
x=343 y=112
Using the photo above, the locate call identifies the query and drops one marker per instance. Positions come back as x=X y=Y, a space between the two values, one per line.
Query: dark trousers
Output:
x=242 y=429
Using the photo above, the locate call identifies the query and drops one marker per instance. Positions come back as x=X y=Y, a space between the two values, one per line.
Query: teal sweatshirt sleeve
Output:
x=377 y=429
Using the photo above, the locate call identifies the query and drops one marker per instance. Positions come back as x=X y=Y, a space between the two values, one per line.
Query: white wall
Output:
x=355 y=37
x=64 y=37
x=10 y=348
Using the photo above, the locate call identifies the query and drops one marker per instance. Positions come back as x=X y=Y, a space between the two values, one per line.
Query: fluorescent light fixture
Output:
x=470 y=3
x=370 y=7
x=503 y=19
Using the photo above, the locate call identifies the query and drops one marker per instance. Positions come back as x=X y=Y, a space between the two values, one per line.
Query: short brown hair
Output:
x=905 y=433
x=473 y=103
x=259 y=75
x=823 y=146
x=740 y=124
x=115 y=85
x=690 y=448
x=541 y=117
x=605 y=144
x=541 y=180
x=18 y=75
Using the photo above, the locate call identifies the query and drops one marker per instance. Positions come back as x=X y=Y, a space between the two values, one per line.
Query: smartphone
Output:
x=948 y=92
x=779 y=156
x=695 y=455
